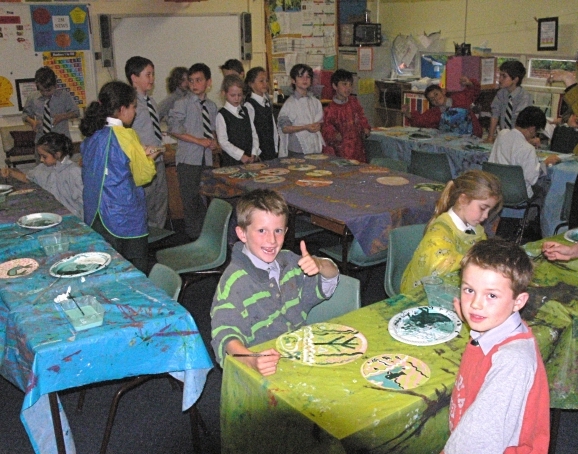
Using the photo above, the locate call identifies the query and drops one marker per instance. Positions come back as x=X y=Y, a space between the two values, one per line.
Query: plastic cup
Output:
x=434 y=289
x=54 y=243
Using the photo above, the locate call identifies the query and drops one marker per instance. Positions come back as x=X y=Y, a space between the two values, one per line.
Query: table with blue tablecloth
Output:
x=144 y=331
x=560 y=175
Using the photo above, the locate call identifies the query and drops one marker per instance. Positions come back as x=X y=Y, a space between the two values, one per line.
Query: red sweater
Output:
x=500 y=402
x=463 y=99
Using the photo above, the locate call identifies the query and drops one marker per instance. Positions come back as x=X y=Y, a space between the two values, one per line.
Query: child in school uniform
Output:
x=140 y=73
x=501 y=401
x=192 y=123
x=178 y=85
x=300 y=117
x=260 y=111
x=236 y=133
x=510 y=100
x=115 y=167
x=49 y=108
x=56 y=173
x=344 y=125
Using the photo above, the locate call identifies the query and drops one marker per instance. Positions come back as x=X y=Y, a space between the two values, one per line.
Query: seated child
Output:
x=465 y=203
x=451 y=113
x=344 y=126
x=49 y=108
x=565 y=135
x=265 y=291
x=510 y=100
x=56 y=172
x=512 y=147
x=300 y=117
x=571 y=93
x=500 y=401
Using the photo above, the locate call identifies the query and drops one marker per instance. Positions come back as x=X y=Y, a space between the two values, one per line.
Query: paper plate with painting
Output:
x=80 y=265
x=39 y=221
x=395 y=371
x=425 y=325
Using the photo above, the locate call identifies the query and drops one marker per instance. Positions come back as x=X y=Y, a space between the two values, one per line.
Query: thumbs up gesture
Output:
x=309 y=264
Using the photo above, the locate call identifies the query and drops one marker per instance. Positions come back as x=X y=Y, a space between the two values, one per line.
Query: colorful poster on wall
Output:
x=60 y=27
x=70 y=71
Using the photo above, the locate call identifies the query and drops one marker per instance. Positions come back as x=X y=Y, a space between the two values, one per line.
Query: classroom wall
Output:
x=507 y=26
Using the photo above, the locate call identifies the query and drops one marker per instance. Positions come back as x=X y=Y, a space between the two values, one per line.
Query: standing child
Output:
x=510 y=100
x=345 y=126
x=265 y=291
x=115 y=166
x=500 y=401
x=56 y=172
x=140 y=73
x=300 y=117
x=465 y=203
x=235 y=131
x=178 y=86
x=234 y=67
x=49 y=108
x=192 y=123
x=261 y=113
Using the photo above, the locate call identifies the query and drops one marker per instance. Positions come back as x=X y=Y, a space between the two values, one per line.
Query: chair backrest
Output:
x=345 y=299
x=403 y=242
x=215 y=228
x=356 y=255
x=564 y=139
x=434 y=166
x=167 y=279
x=512 y=180
x=567 y=204
x=390 y=163
x=372 y=149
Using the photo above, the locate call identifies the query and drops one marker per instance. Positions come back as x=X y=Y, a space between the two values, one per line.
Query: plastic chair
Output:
x=434 y=166
x=206 y=254
x=345 y=299
x=403 y=242
x=158 y=234
x=390 y=163
x=167 y=279
x=514 y=191
x=303 y=227
x=566 y=205
x=372 y=149
x=355 y=255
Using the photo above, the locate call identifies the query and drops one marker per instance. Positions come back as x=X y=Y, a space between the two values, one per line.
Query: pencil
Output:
x=251 y=355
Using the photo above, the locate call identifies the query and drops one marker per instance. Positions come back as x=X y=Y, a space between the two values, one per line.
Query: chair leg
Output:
x=555 y=414
x=80 y=402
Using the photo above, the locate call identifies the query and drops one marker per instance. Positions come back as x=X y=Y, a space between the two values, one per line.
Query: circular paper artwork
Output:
x=80 y=264
x=301 y=167
x=39 y=221
x=270 y=179
x=571 y=235
x=373 y=169
x=438 y=187
x=292 y=160
x=425 y=325
x=395 y=133
x=5 y=189
x=322 y=344
x=225 y=170
x=319 y=173
x=316 y=157
x=392 y=181
x=243 y=175
x=274 y=171
x=17 y=268
x=420 y=136
x=22 y=191
x=395 y=371
x=313 y=183
x=255 y=166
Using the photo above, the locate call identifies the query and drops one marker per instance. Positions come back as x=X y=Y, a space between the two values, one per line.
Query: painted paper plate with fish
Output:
x=80 y=265
x=425 y=325
x=17 y=268
x=395 y=371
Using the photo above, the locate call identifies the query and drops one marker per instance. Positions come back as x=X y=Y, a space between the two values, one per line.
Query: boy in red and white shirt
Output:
x=500 y=401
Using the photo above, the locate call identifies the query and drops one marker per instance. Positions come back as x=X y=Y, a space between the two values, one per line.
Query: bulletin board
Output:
x=300 y=31
x=58 y=36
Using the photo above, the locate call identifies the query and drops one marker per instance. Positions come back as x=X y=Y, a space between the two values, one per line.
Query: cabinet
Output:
x=389 y=97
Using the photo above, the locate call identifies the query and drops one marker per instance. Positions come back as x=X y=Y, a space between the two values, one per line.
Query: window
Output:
x=539 y=68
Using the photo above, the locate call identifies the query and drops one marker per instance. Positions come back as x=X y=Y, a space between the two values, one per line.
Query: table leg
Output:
x=290 y=236
x=54 y=410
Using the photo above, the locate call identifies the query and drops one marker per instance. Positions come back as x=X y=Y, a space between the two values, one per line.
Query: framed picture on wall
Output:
x=23 y=88
x=548 y=33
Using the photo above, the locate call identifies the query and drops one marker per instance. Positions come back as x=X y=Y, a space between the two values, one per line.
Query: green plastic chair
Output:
x=566 y=206
x=390 y=163
x=167 y=279
x=158 y=234
x=304 y=228
x=345 y=299
x=434 y=166
x=208 y=253
x=403 y=242
x=355 y=255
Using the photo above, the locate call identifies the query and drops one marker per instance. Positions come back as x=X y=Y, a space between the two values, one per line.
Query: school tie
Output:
x=154 y=119
x=509 y=109
x=46 y=118
x=470 y=231
x=206 y=121
x=241 y=112
x=267 y=104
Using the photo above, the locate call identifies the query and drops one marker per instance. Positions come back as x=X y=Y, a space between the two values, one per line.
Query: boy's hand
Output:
x=557 y=251
x=458 y=308
x=266 y=365
x=205 y=142
x=406 y=111
x=551 y=160
x=313 y=127
x=367 y=132
x=5 y=172
x=309 y=264
x=465 y=81
x=57 y=118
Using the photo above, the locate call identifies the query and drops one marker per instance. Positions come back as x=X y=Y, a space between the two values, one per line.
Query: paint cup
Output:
x=438 y=293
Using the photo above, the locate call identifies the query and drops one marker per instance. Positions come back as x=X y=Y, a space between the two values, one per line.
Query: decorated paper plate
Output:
x=319 y=173
x=345 y=162
x=39 y=220
x=274 y=171
x=80 y=264
x=241 y=175
x=292 y=160
x=392 y=181
x=17 y=268
x=395 y=133
x=225 y=170
x=22 y=191
x=420 y=136
x=322 y=344
x=395 y=371
x=474 y=147
x=572 y=235
x=439 y=187
x=269 y=179
x=301 y=167
x=425 y=325
x=314 y=183
x=255 y=166
x=5 y=189
x=316 y=156
x=373 y=169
